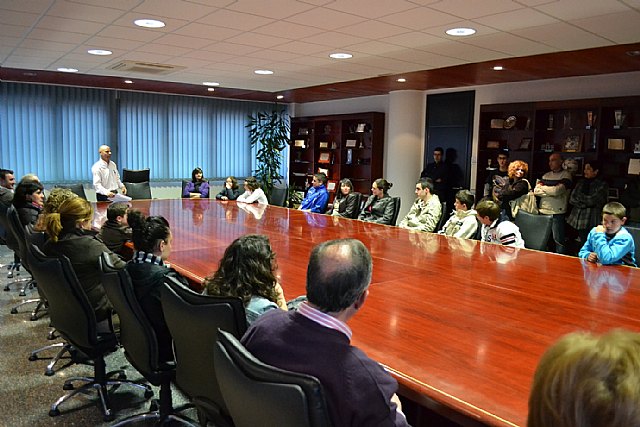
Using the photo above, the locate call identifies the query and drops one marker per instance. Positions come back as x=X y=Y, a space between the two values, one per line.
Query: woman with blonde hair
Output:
x=586 y=380
x=516 y=186
x=70 y=235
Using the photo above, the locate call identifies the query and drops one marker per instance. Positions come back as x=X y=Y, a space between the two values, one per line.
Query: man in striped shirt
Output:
x=315 y=340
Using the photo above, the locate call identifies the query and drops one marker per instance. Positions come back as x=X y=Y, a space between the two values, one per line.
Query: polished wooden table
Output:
x=460 y=324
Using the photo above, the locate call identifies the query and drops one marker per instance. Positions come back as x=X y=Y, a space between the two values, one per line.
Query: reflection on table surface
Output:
x=460 y=323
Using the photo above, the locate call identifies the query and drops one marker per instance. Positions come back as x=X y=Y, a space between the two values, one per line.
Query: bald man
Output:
x=315 y=339
x=106 y=179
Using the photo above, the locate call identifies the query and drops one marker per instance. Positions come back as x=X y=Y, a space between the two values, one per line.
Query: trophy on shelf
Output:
x=591 y=119
x=618 y=119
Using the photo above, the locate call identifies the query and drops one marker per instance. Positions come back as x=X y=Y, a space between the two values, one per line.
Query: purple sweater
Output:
x=357 y=389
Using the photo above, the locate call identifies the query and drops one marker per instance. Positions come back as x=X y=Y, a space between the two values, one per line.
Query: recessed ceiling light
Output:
x=100 y=52
x=401 y=80
x=460 y=32
x=263 y=72
x=68 y=70
x=211 y=83
x=498 y=68
x=280 y=97
x=149 y=23
x=128 y=82
x=211 y=89
x=340 y=55
x=633 y=52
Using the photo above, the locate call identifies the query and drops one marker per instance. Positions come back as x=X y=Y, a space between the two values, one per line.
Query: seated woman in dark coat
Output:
x=152 y=241
x=70 y=234
x=198 y=187
x=379 y=206
x=346 y=201
x=28 y=200
x=230 y=191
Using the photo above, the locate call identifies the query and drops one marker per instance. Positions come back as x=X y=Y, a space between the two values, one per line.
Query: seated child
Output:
x=497 y=230
x=610 y=243
x=115 y=232
x=462 y=222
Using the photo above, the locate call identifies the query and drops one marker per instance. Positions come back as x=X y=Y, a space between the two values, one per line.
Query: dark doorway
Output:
x=450 y=126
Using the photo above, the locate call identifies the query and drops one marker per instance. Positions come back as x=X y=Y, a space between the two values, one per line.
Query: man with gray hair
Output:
x=315 y=339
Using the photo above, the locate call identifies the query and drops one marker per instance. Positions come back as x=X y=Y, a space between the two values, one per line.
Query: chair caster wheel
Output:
x=33 y=357
x=148 y=394
x=108 y=416
x=122 y=376
x=50 y=372
x=67 y=386
x=154 y=406
x=14 y=311
x=6 y=288
x=33 y=318
x=54 y=412
x=22 y=294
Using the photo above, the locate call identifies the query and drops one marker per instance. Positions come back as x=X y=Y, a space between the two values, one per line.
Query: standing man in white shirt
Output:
x=106 y=179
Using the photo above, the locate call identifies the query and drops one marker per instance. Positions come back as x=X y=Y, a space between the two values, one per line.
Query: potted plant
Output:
x=270 y=133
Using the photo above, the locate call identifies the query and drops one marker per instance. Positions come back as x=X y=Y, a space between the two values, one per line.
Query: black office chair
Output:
x=396 y=210
x=278 y=196
x=77 y=189
x=138 y=338
x=11 y=242
x=138 y=190
x=135 y=175
x=535 y=229
x=19 y=246
x=444 y=215
x=193 y=320
x=74 y=318
x=258 y=394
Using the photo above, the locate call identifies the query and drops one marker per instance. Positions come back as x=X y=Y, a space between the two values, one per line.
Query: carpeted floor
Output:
x=27 y=394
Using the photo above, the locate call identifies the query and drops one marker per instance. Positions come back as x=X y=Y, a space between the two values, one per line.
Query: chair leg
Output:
x=41 y=308
x=14 y=310
x=99 y=382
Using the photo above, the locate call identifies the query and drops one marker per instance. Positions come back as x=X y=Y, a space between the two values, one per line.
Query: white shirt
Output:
x=256 y=195
x=106 y=178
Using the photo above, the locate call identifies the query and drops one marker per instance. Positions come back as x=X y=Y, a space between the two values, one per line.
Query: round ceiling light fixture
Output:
x=149 y=23
x=67 y=70
x=263 y=72
x=340 y=55
x=498 y=68
x=100 y=52
x=460 y=32
x=401 y=80
x=211 y=83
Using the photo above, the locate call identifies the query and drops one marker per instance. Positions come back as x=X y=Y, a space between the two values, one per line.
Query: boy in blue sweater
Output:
x=610 y=243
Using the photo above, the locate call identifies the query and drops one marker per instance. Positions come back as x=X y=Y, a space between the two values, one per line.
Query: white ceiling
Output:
x=226 y=40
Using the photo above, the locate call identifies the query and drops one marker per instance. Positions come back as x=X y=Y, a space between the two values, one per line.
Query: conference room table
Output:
x=459 y=323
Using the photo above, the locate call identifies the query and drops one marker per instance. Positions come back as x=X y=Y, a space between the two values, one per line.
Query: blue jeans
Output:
x=557 y=230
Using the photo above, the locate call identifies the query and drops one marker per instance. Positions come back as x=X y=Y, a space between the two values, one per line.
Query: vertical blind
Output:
x=55 y=132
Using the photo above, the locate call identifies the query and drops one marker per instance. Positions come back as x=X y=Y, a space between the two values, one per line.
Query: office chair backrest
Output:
x=69 y=309
x=18 y=240
x=278 y=196
x=138 y=190
x=255 y=392
x=396 y=210
x=359 y=201
x=135 y=175
x=136 y=333
x=77 y=189
x=193 y=320
x=443 y=217
x=535 y=229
